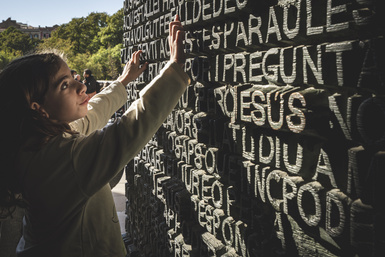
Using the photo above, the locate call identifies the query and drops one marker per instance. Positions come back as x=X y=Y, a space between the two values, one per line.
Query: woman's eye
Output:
x=64 y=86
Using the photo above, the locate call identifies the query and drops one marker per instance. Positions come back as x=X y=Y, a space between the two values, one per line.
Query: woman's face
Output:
x=66 y=99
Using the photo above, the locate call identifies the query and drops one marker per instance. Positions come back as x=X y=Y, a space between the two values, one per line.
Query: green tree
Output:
x=63 y=45
x=93 y=24
x=73 y=31
x=92 y=42
x=107 y=60
x=79 y=62
x=81 y=33
x=105 y=64
x=112 y=34
x=102 y=54
x=5 y=58
x=14 y=41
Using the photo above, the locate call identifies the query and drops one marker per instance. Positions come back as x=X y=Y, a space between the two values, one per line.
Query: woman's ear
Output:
x=37 y=107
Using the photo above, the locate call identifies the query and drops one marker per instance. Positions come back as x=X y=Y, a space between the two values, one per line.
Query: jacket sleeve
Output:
x=97 y=158
x=100 y=108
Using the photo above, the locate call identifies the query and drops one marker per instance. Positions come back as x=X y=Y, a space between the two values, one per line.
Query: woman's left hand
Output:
x=132 y=70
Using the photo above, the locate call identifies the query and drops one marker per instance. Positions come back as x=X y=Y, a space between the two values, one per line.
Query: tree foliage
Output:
x=14 y=43
x=91 y=42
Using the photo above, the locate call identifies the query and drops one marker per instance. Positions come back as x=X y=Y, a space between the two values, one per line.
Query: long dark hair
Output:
x=22 y=82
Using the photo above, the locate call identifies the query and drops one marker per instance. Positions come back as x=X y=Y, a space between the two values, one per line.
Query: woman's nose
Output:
x=81 y=88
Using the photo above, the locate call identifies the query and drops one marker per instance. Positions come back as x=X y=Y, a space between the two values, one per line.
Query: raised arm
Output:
x=103 y=105
x=176 y=38
x=132 y=70
x=115 y=145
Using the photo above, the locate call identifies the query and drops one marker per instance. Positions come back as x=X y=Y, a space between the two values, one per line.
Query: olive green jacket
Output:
x=71 y=209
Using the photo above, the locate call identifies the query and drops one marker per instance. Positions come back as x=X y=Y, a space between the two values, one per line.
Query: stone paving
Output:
x=118 y=193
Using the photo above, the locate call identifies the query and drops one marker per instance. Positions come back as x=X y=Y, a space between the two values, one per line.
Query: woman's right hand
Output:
x=132 y=70
x=176 y=38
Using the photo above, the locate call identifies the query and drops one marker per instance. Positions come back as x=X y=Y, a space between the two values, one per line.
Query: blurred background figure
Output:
x=93 y=86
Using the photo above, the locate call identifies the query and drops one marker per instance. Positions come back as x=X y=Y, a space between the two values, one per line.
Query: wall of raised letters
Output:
x=277 y=148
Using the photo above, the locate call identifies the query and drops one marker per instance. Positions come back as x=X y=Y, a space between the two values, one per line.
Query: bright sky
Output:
x=50 y=12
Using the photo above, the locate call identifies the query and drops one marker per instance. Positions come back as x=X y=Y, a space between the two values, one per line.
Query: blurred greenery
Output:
x=91 y=42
